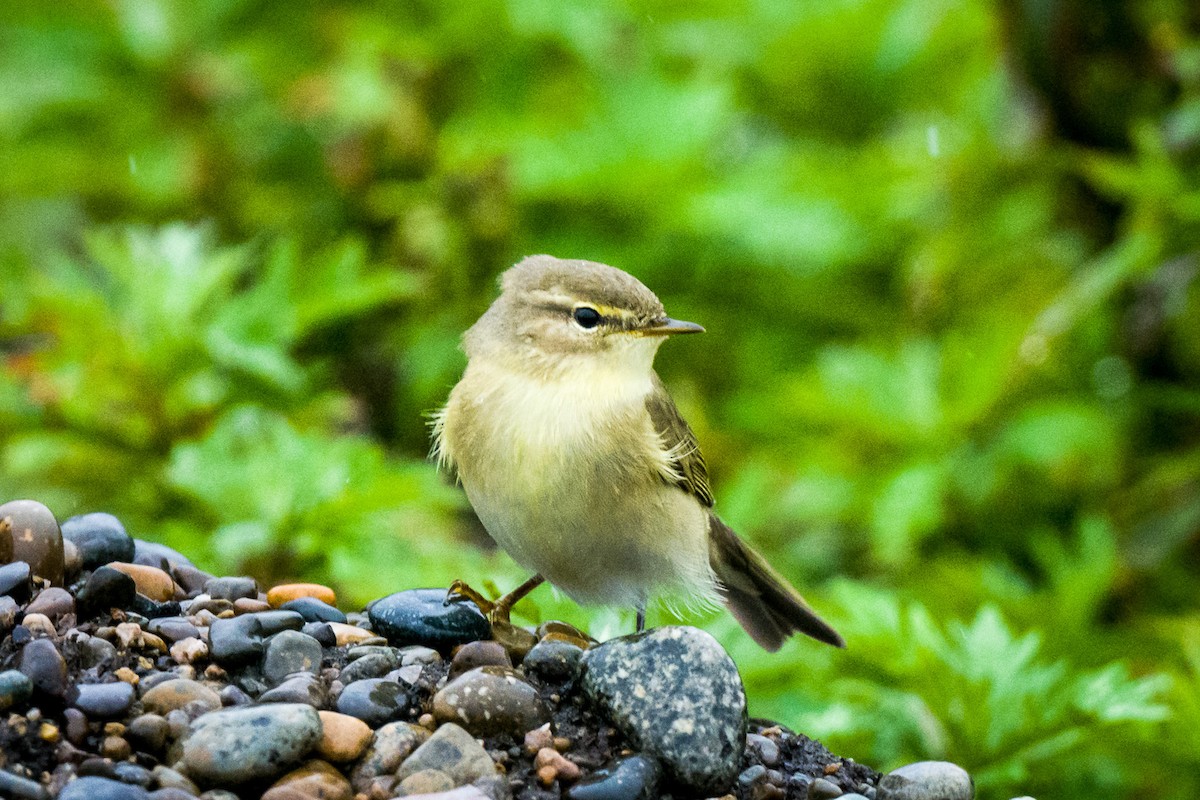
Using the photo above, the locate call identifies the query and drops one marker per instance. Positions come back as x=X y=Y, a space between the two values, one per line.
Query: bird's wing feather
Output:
x=682 y=450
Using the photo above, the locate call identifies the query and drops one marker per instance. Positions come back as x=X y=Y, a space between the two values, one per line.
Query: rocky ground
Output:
x=126 y=672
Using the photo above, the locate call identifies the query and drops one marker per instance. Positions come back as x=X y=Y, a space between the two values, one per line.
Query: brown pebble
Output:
x=346 y=634
x=188 y=650
x=35 y=537
x=151 y=581
x=170 y=695
x=538 y=738
x=246 y=605
x=547 y=775
x=343 y=737
x=564 y=769
x=116 y=748
x=278 y=595
x=426 y=782
x=427 y=721
x=832 y=768
x=127 y=675
x=312 y=780
x=478 y=654
x=53 y=602
x=39 y=625
x=562 y=744
x=77 y=726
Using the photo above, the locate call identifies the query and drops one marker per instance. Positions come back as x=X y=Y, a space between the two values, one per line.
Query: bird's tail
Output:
x=759 y=598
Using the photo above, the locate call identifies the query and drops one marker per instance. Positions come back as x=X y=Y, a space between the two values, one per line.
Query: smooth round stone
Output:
x=250 y=743
x=678 y=697
x=95 y=652
x=321 y=632
x=44 y=665
x=278 y=595
x=239 y=641
x=927 y=780
x=127 y=772
x=822 y=789
x=16 y=787
x=764 y=749
x=36 y=538
x=9 y=609
x=373 y=700
x=150 y=581
x=420 y=616
x=15 y=687
x=478 y=654
x=553 y=661
x=53 y=603
x=632 y=778
x=106 y=588
x=16 y=581
x=314 y=610
x=374 y=665
x=190 y=578
x=301 y=687
x=313 y=779
x=173 y=629
x=288 y=652
x=148 y=732
x=426 y=782
x=451 y=750
x=491 y=700
x=169 y=695
x=102 y=700
x=39 y=625
x=516 y=640
x=172 y=793
x=416 y=654
x=343 y=738
x=168 y=778
x=346 y=634
x=153 y=554
x=392 y=744
x=232 y=588
x=100 y=538
x=92 y=787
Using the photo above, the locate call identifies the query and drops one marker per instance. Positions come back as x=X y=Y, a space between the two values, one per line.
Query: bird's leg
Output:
x=495 y=610
x=641 y=617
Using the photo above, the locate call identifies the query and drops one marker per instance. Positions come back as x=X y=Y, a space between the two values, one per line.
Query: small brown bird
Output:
x=579 y=464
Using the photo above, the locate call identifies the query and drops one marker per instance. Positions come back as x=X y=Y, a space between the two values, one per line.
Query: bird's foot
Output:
x=497 y=610
x=460 y=590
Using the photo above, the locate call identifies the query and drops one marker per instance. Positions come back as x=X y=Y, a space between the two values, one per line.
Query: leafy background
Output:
x=946 y=253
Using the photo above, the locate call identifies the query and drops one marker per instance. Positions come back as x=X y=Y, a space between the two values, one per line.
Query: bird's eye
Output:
x=586 y=317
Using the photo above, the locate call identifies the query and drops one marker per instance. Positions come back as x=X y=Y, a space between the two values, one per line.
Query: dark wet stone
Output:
x=288 y=652
x=632 y=778
x=303 y=687
x=95 y=651
x=102 y=700
x=44 y=665
x=314 y=610
x=100 y=538
x=553 y=661
x=15 y=688
x=420 y=616
x=489 y=701
x=234 y=696
x=764 y=749
x=53 y=602
x=927 y=780
x=252 y=743
x=93 y=787
x=321 y=632
x=173 y=629
x=151 y=609
x=153 y=554
x=19 y=788
x=678 y=697
x=189 y=578
x=106 y=588
x=373 y=700
x=478 y=654
x=16 y=581
x=238 y=641
x=127 y=772
x=231 y=588
x=148 y=733
x=374 y=665
x=36 y=538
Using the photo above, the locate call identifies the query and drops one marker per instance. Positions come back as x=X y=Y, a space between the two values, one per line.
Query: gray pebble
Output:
x=553 y=661
x=373 y=700
x=17 y=787
x=92 y=787
x=148 y=733
x=237 y=745
x=451 y=750
x=632 y=778
x=927 y=780
x=44 y=665
x=232 y=588
x=95 y=652
x=392 y=744
x=764 y=749
x=102 y=700
x=301 y=687
x=822 y=789
x=15 y=687
x=678 y=696
x=100 y=539
x=489 y=701
x=418 y=654
x=173 y=629
x=288 y=652
x=375 y=665
x=53 y=602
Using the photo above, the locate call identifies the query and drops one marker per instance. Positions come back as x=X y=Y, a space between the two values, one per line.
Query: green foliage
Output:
x=946 y=253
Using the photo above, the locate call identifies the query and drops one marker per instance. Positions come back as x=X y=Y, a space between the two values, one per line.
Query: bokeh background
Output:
x=946 y=252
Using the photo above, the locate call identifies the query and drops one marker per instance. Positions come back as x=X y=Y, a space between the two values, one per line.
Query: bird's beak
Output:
x=669 y=327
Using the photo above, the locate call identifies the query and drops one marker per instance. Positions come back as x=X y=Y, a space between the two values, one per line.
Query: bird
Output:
x=580 y=466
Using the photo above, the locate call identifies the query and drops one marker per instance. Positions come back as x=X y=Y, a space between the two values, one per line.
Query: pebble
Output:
x=173 y=629
x=232 y=588
x=373 y=665
x=491 y=700
x=301 y=687
x=15 y=687
x=16 y=581
x=167 y=778
x=927 y=780
x=373 y=700
x=250 y=605
x=417 y=654
x=822 y=789
x=764 y=749
x=552 y=765
x=426 y=782
x=350 y=634
x=478 y=654
x=95 y=652
x=632 y=778
x=393 y=743
x=288 y=652
x=148 y=732
x=15 y=786
x=53 y=602
x=187 y=651
x=165 y=697
x=678 y=696
x=451 y=750
x=102 y=700
x=321 y=632
x=8 y=613
x=44 y=665
x=420 y=616
x=314 y=610
x=313 y=779
x=106 y=588
x=278 y=595
x=343 y=738
x=93 y=787
x=553 y=661
x=249 y=743
x=39 y=625
x=152 y=582
x=239 y=640
x=36 y=538
x=100 y=539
